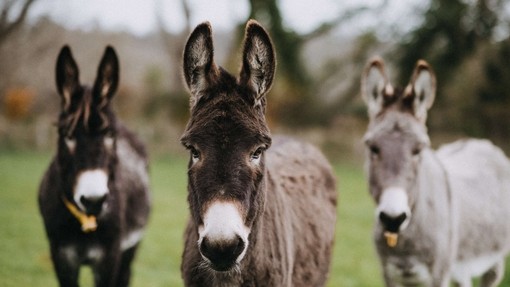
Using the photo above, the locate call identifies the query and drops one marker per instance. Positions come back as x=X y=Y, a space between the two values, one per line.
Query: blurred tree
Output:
x=18 y=103
x=295 y=102
x=493 y=95
x=450 y=32
x=12 y=16
x=173 y=41
x=176 y=97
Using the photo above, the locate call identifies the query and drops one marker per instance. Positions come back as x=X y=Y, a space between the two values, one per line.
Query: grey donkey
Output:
x=441 y=215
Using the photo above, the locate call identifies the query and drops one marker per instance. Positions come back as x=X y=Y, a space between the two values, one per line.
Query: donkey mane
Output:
x=221 y=106
x=81 y=110
x=398 y=99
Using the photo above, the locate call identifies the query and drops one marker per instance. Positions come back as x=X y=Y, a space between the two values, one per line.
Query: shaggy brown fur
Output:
x=288 y=200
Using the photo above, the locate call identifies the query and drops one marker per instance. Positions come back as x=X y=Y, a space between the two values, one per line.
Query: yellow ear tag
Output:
x=391 y=238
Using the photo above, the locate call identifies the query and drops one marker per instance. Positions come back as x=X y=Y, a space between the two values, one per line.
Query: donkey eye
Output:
x=374 y=150
x=195 y=154
x=416 y=151
x=256 y=154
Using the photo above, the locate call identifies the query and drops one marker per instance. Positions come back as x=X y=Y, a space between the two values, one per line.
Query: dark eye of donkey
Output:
x=195 y=154
x=374 y=150
x=257 y=153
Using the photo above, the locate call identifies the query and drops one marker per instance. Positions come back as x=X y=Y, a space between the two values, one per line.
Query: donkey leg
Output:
x=388 y=281
x=124 y=273
x=105 y=271
x=494 y=275
x=466 y=282
x=66 y=264
x=445 y=282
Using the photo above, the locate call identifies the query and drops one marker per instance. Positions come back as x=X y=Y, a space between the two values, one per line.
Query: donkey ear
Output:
x=259 y=60
x=67 y=76
x=375 y=86
x=198 y=63
x=422 y=88
x=107 y=78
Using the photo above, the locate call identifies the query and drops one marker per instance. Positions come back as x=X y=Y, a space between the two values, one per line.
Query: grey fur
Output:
x=459 y=196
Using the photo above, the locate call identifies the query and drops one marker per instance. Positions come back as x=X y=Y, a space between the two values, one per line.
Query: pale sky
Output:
x=138 y=16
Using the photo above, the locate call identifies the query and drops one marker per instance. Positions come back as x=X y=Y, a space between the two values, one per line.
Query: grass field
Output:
x=24 y=255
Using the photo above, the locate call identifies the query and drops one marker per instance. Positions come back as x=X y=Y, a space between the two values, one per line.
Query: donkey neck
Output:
x=432 y=183
x=273 y=252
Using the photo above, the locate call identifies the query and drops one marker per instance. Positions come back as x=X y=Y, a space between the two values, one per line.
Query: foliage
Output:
x=493 y=94
x=458 y=39
x=450 y=32
x=18 y=103
x=294 y=102
x=10 y=21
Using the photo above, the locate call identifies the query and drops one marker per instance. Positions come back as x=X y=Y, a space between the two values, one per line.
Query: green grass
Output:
x=24 y=254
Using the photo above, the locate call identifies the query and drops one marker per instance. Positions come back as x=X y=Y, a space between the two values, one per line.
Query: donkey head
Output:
x=226 y=136
x=395 y=139
x=86 y=128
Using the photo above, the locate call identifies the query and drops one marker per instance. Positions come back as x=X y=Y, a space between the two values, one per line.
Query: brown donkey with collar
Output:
x=94 y=198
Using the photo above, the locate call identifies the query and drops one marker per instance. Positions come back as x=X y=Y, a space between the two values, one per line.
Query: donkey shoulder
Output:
x=126 y=136
x=133 y=162
x=473 y=157
x=304 y=195
x=300 y=166
x=479 y=176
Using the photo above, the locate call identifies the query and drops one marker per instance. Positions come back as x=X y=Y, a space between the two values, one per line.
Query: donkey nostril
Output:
x=392 y=223
x=92 y=199
x=222 y=254
x=93 y=204
x=205 y=248
x=240 y=246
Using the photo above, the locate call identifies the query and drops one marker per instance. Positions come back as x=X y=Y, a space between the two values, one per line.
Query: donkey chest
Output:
x=408 y=270
x=75 y=254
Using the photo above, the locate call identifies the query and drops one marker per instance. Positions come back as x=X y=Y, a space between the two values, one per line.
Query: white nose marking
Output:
x=91 y=184
x=223 y=221
x=394 y=202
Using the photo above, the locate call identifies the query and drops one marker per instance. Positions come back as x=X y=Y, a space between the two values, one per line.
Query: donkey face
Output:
x=226 y=136
x=395 y=139
x=86 y=144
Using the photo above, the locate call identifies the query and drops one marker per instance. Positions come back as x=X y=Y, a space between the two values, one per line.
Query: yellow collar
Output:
x=88 y=222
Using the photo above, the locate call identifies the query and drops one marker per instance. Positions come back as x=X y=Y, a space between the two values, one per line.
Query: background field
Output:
x=24 y=256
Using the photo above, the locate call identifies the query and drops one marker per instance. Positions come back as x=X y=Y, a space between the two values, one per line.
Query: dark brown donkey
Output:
x=260 y=216
x=94 y=198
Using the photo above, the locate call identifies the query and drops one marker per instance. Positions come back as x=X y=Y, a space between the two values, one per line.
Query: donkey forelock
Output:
x=85 y=116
